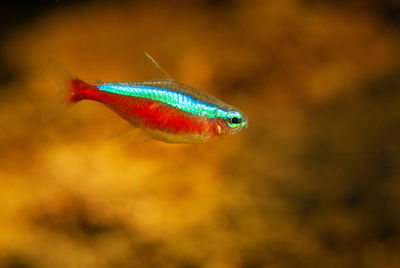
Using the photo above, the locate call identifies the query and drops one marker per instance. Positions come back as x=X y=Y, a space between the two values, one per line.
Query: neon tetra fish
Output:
x=165 y=109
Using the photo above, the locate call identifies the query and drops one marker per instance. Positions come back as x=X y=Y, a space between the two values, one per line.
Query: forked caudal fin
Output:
x=71 y=87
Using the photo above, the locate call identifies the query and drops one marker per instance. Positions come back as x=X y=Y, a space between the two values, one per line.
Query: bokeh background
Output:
x=313 y=182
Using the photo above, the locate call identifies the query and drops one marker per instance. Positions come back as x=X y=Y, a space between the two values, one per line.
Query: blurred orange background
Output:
x=313 y=182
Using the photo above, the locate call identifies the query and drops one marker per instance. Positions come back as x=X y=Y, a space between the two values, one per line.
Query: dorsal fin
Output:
x=158 y=67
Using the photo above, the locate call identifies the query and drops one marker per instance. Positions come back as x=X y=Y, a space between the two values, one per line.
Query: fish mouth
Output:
x=245 y=123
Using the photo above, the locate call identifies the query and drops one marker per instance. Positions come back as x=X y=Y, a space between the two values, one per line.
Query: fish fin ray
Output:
x=62 y=77
x=133 y=133
x=71 y=90
x=140 y=136
x=121 y=132
x=71 y=87
x=60 y=102
x=165 y=75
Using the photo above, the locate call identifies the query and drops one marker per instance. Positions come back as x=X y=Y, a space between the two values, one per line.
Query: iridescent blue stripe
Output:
x=175 y=99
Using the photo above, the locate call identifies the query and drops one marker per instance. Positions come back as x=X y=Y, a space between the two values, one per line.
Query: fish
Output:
x=163 y=109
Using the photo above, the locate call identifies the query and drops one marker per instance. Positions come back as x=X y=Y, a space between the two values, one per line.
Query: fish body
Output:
x=164 y=109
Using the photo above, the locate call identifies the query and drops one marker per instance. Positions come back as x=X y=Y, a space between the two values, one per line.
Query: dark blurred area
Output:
x=313 y=182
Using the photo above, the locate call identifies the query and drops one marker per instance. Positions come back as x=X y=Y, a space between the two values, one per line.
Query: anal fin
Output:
x=135 y=134
x=121 y=132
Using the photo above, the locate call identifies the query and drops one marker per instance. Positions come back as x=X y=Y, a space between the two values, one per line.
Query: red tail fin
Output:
x=71 y=90
x=75 y=90
x=71 y=87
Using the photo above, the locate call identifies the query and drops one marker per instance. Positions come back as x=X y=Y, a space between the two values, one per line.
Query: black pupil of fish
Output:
x=235 y=120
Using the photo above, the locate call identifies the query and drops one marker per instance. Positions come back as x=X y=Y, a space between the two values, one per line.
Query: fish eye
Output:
x=234 y=120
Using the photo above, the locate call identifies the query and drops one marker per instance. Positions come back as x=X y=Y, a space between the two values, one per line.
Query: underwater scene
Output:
x=222 y=134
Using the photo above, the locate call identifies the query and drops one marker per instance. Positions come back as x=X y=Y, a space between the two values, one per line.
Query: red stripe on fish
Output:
x=151 y=114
